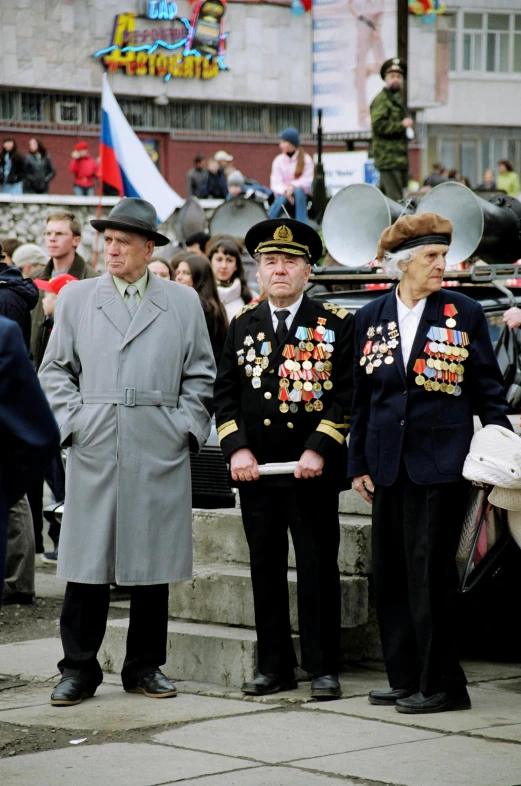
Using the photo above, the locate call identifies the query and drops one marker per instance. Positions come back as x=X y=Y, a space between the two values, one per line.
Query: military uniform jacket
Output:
x=389 y=135
x=308 y=377
x=422 y=414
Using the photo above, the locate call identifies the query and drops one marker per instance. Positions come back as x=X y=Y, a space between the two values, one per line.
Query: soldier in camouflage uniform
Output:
x=389 y=124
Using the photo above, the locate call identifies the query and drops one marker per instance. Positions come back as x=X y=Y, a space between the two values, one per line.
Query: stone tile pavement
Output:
x=213 y=736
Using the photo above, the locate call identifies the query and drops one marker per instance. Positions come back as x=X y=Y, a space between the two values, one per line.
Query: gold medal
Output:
x=435 y=385
x=328 y=384
x=456 y=351
x=460 y=368
x=464 y=352
x=328 y=365
x=284 y=383
x=389 y=360
x=309 y=346
x=451 y=323
x=318 y=406
x=430 y=363
x=317 y=386
x=428 y=385
x=309 y=407
x=437 y=364
x=297 y=385
x=443 y=387
x=284 y=407
x=444 y=365
x=452 y=368
x=362 y=361
x=420 y=380
x=450 y=388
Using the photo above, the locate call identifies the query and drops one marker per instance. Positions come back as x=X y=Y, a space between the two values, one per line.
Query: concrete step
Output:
x=222 y=594
x=207 y=653
x=352 y=503
x=219 y=537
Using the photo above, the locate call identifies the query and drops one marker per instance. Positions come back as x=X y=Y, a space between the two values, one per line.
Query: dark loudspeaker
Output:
x=487 y=229
x=354 y=220
x=189 y=219
x=236 y=216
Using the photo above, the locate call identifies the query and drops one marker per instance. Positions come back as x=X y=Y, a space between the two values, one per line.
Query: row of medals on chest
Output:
x=309 y=378
x=380 y=350
x=443 y=370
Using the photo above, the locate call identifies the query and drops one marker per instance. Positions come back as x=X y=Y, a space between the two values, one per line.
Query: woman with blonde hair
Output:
x=291 y=176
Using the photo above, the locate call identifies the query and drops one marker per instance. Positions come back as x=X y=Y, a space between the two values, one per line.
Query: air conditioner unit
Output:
x=68 y=112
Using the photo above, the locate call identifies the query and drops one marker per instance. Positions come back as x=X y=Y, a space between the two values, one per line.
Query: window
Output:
x=32 y=108
x=7 y=105
x=485 y=42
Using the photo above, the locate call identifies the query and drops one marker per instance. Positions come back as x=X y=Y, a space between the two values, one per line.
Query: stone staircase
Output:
x=211 y=636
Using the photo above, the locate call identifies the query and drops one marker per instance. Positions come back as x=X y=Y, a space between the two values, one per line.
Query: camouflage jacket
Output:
x=389 y=135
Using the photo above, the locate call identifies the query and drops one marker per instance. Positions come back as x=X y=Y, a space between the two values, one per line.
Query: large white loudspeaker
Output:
x=490 y=230
x=354 y=220
x=236 y=216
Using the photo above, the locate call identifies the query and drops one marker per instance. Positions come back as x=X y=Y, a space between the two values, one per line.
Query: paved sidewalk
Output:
x=210 y=736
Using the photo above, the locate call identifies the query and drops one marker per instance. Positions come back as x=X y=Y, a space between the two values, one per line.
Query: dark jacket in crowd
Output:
x=39 y=171
x=434 y=179
x=29 y=434
x=217 y=334
x=194 y=177
x=18 y=296
x=389 y=135
x=17 y=171
x=40 y=327
x=213 y=186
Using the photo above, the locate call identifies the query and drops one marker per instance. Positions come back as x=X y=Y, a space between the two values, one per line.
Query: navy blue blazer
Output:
x=394 y=418
x=29 y=435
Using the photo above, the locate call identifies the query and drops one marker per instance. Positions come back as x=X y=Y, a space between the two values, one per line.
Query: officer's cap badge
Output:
x=283 y=234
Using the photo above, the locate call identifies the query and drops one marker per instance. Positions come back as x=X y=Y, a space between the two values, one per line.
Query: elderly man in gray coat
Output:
x=129 y=373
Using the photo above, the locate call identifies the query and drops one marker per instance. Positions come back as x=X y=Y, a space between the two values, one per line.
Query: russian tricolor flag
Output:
x=125 y=164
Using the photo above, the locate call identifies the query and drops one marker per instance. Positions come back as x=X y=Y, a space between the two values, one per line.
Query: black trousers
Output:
x=83 y=623
x=415 y=536
x=309 y=508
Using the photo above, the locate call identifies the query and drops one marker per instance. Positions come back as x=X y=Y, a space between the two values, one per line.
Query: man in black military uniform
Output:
x=391 y=125
x=283 y=394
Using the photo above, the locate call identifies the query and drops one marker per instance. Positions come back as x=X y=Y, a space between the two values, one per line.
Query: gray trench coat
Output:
x=130 y=397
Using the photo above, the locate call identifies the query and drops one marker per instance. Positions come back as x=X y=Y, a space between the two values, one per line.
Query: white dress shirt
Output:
x=408 y=321
x=292 y=311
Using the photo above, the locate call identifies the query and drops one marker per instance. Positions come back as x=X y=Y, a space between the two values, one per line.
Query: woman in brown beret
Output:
x=424 y=365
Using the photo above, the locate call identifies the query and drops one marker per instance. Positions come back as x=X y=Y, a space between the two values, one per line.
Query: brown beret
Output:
x=413 y=231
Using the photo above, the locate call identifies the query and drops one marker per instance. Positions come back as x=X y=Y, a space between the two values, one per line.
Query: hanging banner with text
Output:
x=351 y=40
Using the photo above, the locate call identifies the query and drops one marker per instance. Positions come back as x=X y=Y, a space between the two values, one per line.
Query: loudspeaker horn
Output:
x=354 y=220
x=190 y=219
x=487 y=229
x=236 y=216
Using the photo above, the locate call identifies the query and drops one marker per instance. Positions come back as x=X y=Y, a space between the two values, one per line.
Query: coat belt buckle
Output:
x=130 y=397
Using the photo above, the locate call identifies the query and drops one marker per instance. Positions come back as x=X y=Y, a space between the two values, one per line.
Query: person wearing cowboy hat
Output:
x=424 y=364
x=128 y=372
x=283 y=394
x=390 y=126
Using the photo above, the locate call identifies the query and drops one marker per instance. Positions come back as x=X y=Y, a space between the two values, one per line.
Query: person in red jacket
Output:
x=84 y=168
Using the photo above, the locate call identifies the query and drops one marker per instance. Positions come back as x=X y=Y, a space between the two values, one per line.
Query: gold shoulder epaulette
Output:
x=249 y=307
x=338 y=311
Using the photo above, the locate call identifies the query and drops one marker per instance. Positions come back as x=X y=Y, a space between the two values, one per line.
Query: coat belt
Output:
x=130 y=397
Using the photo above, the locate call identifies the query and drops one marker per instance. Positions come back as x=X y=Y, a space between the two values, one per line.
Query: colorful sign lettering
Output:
x=178 y=50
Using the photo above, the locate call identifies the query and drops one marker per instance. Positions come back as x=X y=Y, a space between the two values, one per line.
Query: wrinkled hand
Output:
x=365 y=487
x=310 y=465
x=407 y=122
x=243 y=465
x=512 y=317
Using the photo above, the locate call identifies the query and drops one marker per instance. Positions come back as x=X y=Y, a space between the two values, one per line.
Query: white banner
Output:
x=351 y=40
x=344 y=169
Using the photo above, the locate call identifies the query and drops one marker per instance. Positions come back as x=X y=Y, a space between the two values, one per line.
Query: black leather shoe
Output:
x=155 y=686
x=269 y=683
x=418 y=703
x=389 y=696
x=19 y=598
x=326 y=686
x=70 y=691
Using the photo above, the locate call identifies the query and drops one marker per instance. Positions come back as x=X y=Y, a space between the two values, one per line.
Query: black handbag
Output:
x=508 y=355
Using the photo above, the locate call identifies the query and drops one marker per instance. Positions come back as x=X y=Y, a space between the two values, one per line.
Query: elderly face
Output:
x=126 y=254
x=283 y=276
x=394 y=81
x=424 y=273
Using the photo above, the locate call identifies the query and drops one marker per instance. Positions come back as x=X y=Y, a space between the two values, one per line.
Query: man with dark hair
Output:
x=437 y=175
x=195 y=175
x=9 y=246
x=196 y=242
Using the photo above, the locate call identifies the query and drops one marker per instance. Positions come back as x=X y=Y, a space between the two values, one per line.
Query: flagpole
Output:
x=98 y=209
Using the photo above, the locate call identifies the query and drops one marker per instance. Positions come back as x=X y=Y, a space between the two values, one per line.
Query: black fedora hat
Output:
x=286 y=235
x=133 y=215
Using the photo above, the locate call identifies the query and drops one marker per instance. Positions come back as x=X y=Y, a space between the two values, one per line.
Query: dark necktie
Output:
x=281 y=330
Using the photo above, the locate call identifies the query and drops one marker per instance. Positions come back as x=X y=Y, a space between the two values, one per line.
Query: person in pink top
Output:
x=291 y=176
x=84 y=168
